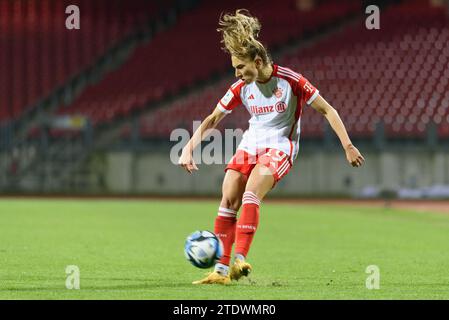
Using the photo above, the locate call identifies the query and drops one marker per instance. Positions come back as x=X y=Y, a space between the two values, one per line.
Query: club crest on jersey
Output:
x=280 y=106
x=277 y=92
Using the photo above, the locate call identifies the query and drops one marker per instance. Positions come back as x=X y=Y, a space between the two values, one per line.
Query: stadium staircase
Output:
x=32 y=153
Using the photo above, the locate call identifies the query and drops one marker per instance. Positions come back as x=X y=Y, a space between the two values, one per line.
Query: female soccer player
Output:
x=274 y=96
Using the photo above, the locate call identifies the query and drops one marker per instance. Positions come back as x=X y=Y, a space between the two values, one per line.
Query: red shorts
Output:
x=277 y=161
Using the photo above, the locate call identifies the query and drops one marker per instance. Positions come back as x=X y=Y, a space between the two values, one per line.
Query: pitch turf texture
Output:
x=134 y=250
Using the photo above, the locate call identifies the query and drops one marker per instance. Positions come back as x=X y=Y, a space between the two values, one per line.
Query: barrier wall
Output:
x=314 y=173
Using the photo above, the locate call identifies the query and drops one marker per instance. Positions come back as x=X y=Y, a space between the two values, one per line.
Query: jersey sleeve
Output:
x=231 y=99
x=306 y=91
x=301 y=87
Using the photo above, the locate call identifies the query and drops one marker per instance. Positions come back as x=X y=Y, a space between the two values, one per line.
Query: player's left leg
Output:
x=224 y=227
x=271 y=167
x=225 y=223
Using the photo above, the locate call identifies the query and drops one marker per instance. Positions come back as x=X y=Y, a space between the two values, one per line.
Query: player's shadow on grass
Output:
x=145 y=285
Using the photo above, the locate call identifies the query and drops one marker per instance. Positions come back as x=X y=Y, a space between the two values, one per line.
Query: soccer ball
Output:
x=203 y=249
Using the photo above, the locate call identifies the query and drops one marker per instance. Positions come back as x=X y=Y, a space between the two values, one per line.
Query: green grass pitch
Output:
x=134 y=250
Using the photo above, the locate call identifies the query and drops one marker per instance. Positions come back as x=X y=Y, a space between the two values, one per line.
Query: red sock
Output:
x=225 y=230
x=247 y=224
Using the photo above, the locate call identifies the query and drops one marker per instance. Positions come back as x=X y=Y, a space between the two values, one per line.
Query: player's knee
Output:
x=230 y=202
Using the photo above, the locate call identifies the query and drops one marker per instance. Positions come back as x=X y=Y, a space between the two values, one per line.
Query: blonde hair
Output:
x=240 y=33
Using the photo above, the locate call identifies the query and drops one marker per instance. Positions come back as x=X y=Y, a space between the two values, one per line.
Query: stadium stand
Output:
x=195 y=55
x=392 y=82
x=400 y=76
x=38 y=53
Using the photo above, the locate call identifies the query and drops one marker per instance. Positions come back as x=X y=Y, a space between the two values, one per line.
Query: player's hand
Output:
x=186 y=161
x=354 y=156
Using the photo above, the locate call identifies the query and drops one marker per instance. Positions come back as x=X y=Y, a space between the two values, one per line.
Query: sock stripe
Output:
x=250 y=197
x=247 y=200
x=225 y=212
x=222 y=214
x=249 y=193
x=250 y=202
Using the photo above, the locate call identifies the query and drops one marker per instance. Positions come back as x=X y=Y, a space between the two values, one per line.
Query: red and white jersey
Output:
x=275 y=107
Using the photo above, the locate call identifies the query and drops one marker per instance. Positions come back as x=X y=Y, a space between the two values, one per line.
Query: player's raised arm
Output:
x=210 y=122
x=352 y=153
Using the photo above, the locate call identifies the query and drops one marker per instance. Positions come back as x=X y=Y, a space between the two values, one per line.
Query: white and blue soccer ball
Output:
x=203 y=249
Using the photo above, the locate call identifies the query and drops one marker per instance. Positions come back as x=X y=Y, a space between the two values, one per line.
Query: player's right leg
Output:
x=259 y=183
x=225 y=224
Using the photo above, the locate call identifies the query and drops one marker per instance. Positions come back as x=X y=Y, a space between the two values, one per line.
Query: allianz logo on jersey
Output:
x=279 y=107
